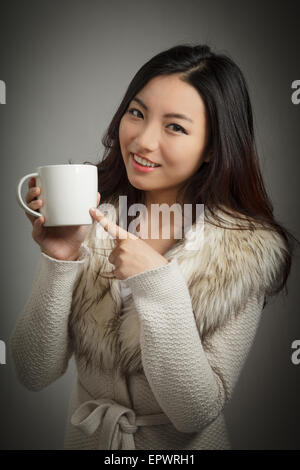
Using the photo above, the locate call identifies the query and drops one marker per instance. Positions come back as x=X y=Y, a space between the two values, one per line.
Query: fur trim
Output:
x=223 y=268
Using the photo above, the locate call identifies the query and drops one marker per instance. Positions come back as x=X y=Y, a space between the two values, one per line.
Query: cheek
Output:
x=125 y=132
x=122 y=133
x=182 y=162
x=176 y=158
x=124 y=139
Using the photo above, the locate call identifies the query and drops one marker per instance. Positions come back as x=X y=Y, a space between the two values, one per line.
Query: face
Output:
x=175 y=143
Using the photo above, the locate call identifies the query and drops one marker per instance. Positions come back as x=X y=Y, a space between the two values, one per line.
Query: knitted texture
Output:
x=189 y=380
x=192 y=387
x=39 y=342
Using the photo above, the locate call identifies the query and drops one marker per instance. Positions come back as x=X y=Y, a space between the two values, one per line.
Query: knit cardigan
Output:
x=157 y=371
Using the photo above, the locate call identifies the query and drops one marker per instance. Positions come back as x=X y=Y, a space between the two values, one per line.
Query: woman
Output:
x=160 y=327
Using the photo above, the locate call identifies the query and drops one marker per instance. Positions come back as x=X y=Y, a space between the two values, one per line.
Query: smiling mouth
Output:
x=143 y=161
x=142 y=169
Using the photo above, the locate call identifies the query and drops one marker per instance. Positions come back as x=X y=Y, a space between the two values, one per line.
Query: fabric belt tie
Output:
x=118 y=423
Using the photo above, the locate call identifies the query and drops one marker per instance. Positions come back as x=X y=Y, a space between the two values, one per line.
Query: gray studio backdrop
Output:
x=66 y=65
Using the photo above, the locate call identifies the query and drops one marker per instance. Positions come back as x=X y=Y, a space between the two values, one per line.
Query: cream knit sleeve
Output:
x=192 y=381
x=39 y=342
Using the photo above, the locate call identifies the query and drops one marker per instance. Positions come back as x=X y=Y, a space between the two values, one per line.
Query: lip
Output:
x=142 y=169
x=145 y=158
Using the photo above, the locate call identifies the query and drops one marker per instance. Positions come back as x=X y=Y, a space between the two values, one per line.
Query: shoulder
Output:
x=225 y=267
x=255 y=252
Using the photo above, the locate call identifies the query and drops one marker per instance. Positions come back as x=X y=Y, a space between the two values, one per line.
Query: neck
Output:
x=160 y=197
x=156 y=217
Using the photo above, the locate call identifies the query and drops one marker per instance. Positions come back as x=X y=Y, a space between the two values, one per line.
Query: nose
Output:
x=147 y=139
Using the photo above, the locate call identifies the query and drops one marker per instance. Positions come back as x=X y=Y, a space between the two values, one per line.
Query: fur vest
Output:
x=221 y=270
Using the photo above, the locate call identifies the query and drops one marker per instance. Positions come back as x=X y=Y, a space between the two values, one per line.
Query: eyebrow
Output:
x=175 y=115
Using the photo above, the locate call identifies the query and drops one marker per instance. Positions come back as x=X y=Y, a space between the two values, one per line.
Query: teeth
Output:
x=142 y=161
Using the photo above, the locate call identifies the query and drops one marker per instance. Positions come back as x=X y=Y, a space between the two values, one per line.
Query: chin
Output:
x=136 y=185
x=139 y=185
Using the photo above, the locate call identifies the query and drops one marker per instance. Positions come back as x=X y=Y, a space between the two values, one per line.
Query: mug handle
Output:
x=19 y=196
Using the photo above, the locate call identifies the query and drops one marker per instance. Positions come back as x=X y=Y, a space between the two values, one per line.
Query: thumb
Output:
x=38 y=224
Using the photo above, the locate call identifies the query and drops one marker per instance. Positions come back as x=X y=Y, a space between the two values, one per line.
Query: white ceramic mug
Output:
x=67 y=191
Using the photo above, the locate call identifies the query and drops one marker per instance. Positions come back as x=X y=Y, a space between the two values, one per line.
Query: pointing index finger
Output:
x=113 y=229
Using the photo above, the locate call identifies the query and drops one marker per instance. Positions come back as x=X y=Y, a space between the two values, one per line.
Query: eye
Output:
x=178 y=127
x=130 y=111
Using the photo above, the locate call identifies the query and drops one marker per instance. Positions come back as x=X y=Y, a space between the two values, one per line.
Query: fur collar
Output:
x=223 y=269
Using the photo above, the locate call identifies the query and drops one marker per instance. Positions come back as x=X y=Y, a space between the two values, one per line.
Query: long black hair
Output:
x=231 y=181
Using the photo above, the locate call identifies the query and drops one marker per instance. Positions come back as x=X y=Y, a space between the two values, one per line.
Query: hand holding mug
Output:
x=62 y=242
x=63 y=195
